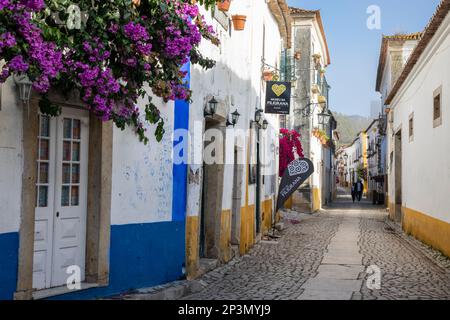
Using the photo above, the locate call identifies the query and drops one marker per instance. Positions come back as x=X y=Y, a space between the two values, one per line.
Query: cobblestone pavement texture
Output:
x=409 y=269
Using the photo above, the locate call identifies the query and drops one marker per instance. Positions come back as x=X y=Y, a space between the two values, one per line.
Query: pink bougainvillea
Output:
x=110 y=57
x=290 y=148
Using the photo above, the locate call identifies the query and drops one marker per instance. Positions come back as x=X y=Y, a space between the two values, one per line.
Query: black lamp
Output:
x=265 y=124
x=211 y=108
x=258 y=115
x=234 y=118
x=324 y=119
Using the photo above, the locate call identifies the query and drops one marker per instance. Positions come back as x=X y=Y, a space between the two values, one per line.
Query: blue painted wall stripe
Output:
x=9 y=250
x=141 y=255
x=181 y=121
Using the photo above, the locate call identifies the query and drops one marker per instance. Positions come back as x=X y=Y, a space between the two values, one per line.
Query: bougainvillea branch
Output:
x=290 y=148
x=109 y=51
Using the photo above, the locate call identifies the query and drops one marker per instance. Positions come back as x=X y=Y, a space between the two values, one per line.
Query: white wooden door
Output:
x=65 y=215
x=45 y=191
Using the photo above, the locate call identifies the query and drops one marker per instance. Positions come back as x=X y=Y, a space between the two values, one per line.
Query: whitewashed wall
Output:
x=426 y=160
x=11 y=157
x=235 y=81
x=142 y=174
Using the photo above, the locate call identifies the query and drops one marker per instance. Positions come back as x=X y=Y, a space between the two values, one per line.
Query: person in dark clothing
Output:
x=359 y=190
x=353 y=192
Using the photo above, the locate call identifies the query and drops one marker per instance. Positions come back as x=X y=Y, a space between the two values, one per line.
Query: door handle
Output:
x=57 y=214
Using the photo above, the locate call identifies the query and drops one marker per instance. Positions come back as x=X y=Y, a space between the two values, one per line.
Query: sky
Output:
x=354 y=48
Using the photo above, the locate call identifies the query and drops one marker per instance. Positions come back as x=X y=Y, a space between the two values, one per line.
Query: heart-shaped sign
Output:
x=278 y=89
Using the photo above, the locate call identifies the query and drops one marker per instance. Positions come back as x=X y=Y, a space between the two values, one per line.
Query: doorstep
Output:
x=169 y=291
x=57 y=291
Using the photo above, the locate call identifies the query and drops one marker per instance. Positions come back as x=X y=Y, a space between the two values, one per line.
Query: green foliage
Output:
x=349 y=126
x=49 y=108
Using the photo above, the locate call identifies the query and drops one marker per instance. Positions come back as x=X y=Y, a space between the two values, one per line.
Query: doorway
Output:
x=398 y=176
x=212 y=190
x=258 y=184
x=61 y=205
x=237 y=198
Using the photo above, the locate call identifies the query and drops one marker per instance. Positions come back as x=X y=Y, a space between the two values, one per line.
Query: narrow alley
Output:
x=325 y=256
x=198 y=150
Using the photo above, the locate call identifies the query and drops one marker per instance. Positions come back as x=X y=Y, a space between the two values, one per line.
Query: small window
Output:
x=411 y=127
x=437 y=107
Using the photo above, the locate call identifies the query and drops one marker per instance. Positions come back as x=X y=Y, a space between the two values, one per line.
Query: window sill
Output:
x=57 y=291
x=437 y=122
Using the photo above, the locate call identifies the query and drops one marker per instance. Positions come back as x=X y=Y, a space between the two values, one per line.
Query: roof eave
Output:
x=435 y=23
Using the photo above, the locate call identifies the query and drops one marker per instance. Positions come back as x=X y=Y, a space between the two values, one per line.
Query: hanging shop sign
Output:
x=278 y=97
x=296 y=173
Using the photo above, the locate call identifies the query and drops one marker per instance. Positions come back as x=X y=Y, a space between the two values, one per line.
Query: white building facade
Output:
x=75 y=191
x=419 y=153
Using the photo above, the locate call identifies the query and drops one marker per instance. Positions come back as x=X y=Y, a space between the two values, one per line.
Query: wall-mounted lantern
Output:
x=24 y=84
x=265 y=124
x=210 y=108
x=258 y=115
x=234 y=118
x=258 y=118
x=324 y=119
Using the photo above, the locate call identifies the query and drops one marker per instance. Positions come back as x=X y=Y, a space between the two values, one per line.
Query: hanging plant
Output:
x=223 y=5
x=316 y=57
x=239 y=22
x=109 y=51
x=268 y=75
x=322 y=72
x=321 y=135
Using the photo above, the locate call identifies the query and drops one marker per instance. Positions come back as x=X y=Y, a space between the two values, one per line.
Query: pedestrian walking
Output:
x=359 y=190
x=353 y=192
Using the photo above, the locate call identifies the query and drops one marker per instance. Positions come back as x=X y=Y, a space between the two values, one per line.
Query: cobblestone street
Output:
x=326 y=255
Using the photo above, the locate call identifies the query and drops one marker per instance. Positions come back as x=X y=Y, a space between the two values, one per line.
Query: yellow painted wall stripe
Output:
x=427 y=229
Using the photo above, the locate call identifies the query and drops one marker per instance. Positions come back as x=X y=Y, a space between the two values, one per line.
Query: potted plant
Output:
x=239 y=22
x=268 y=75
x=315 y=132
x=321 y=99
x=297 y=55
x=223 y=5
x=322 y=72
x=316 y=57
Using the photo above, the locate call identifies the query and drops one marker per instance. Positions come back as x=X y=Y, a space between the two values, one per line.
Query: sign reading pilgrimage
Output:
x=296 y=173
x=278 y=97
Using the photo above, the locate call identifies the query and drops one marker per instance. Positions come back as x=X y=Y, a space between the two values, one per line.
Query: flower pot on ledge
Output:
x=239 y=22
x=268 y=75
x=223 y=5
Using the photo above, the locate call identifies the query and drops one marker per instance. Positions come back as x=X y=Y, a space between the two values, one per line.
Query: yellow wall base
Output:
x=192 y=247
x=429 y=230
x=225 y=236
x=266 y=215
x=316 y=200
x=247 y=229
